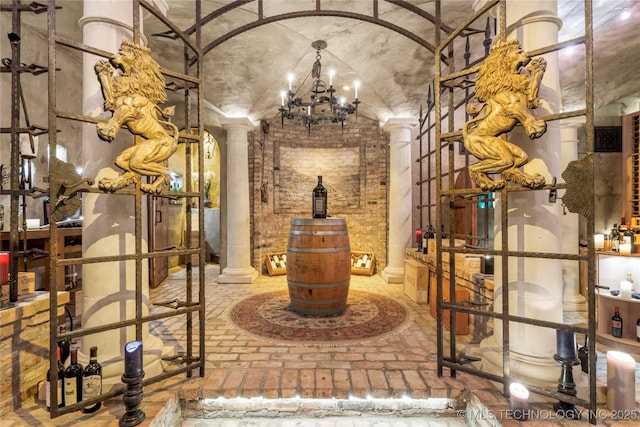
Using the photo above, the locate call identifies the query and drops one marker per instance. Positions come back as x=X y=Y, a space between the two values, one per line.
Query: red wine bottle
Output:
x=319 y=200
x=73 y=380
x=58 y=378
x=616 y=323
x=92 y=382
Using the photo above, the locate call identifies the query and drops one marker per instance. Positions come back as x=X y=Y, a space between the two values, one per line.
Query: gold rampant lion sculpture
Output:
x=133 y=86
x=507 y=86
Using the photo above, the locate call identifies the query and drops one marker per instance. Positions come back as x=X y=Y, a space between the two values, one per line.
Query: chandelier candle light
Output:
x=323 y=104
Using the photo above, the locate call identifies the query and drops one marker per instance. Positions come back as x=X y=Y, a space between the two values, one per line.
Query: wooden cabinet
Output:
x=462 y=319
x=158 y=239
x=612 y=269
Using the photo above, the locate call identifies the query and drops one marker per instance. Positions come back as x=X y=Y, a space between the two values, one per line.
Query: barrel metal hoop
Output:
x=318 y=285
x=319 y=250
x=319 y=232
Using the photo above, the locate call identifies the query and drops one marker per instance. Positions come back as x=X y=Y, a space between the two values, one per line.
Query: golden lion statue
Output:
x=507 y=86
x=133 y=86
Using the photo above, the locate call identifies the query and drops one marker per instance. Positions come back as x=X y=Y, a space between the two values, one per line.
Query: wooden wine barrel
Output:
x=318 y=266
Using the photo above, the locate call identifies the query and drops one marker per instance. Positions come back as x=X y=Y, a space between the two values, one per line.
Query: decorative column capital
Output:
x=400 y=122
x=237 y=123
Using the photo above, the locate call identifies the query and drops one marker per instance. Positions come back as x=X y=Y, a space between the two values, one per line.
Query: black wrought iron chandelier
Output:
x=323 y=104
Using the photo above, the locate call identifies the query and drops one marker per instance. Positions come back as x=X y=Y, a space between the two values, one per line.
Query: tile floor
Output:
x=259 y=382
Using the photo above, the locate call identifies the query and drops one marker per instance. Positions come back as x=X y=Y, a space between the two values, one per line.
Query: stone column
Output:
x=109 y=287
x=575 y=304
x=238 y=269
x=400 y=208
x=535 y=284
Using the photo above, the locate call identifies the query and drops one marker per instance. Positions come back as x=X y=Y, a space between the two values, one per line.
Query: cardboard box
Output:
x=4 y=293
x=416 y=280
x=26 y=283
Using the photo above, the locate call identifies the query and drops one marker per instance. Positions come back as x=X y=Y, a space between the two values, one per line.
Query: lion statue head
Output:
x=140 y=73
x=501 y=70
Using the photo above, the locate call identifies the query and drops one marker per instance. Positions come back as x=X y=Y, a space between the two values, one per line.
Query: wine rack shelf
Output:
x=276 y=264
x=362 y=263
x=612 y=269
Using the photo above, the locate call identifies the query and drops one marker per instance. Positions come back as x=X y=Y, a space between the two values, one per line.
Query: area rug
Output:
x=367 y=316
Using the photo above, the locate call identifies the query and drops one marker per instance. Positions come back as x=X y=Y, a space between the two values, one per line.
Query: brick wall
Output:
x=284 y=165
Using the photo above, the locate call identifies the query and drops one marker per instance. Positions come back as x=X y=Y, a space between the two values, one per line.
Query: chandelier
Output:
x=323 y=104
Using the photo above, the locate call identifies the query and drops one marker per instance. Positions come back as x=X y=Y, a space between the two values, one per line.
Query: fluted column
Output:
x=400 y=209
x=108 y=223
x=534 y=222
x=238 y=269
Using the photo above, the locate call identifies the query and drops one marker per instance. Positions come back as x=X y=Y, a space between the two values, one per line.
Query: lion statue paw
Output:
x=106 y=131
x=530 y=181
x=114 y=184
x=156 y=186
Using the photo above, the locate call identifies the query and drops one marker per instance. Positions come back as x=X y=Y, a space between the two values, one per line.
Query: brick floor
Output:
x=247 y=373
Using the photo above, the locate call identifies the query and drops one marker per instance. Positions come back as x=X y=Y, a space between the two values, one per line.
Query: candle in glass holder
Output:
x=566 y=344
x=625 y=289
x=625 y=249
x=133 y=359
x=519 y=401
x=621 y=387
x=4 y=268
x=419 y=237
x=598 y=241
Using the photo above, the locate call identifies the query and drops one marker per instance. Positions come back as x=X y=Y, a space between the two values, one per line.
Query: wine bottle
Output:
x=583 y=355
x=616 y=323
x=65 y=346
x=628 y=234
x=59 y=382
x=615 y=238
x=92 y=381
x=638 y=329
x=319 y=200
x=73 y=380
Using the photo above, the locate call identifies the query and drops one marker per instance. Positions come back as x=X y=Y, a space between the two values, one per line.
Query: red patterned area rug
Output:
x=367 y=316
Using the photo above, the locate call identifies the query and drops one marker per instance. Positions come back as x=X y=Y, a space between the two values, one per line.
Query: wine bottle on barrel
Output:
x=319 y=200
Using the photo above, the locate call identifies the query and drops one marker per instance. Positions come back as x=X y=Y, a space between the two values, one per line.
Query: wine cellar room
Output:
x=376 y=211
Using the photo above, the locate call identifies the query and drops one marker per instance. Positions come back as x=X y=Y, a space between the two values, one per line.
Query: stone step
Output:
x=355 y=421
x=266 y=411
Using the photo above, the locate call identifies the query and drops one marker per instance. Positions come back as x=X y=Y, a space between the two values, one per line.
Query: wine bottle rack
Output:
x=276 y=263
x=362 y=263
x=612 y=268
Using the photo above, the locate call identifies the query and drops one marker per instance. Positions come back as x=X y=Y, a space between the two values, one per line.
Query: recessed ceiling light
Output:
x=625 y=14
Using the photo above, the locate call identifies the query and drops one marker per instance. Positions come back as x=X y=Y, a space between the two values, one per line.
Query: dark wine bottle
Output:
x=65 y=345
x=92 y=382
x=425 y=242
x=319 y=200
x=616 y=323
x=59 y=378
x=73 y=380
x=638 y=329
x=583 y=355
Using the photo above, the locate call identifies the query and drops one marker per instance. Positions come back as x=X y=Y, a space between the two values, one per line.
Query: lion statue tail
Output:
x=167 y=113
x=474 y=110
